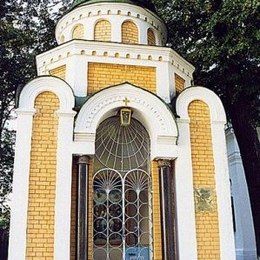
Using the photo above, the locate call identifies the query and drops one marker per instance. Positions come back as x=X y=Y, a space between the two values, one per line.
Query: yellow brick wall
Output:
x=74 y=213
x=130 y=33
x=207 y=226
x=78 y=32
x=90 y=210
x=42 y=180
x=102 y=31
x=179 y=83
x=102 y=75
x=59 y=72
x=157 y=232
x=151 y=37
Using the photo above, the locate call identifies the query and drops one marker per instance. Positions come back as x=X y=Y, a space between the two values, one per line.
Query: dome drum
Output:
x=87 y=16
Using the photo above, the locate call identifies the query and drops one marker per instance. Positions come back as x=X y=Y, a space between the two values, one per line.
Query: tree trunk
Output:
x=3 y=244
x=250 y=152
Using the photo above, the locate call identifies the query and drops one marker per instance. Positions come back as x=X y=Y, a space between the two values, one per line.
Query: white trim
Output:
x=147 y=108
x=217 y=111
x=51 y=57
x=63 y=187
x=43 y=84
x=17 y=245
x=186 y=227
x=19 y=205
x=218 y=120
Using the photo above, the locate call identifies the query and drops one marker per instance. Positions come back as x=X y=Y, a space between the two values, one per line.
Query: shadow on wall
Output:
x=3 y=244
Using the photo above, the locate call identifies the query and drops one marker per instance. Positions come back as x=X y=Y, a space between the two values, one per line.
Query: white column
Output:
x=19 y=204
x=187 y=243
x=63 y=186
x=227 y=243
x=83 y=170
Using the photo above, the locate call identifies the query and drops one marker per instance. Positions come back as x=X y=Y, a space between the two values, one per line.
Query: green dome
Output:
x=143 y=3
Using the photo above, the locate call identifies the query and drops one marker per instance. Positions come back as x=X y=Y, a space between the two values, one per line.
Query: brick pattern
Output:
x=42 y=182
x=102 y=31
x=151 y=37
x=179 y=83
x=102 y=75
x=90 y=210
x=78 y=32
x=207 y=226
x=74 y=213
x=59 y=72
x=157 y=232
x=130 y=33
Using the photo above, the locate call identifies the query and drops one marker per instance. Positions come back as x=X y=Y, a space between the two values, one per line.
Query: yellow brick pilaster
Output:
x=42 y=179
x=207 y=225
x=157 y=231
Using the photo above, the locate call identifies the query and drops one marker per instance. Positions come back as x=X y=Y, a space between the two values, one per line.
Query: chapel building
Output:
x=118 y=156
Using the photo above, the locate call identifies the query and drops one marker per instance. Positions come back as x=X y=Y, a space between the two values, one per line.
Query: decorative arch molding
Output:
x=43 y=84
x=151 y=111
x=190 y=94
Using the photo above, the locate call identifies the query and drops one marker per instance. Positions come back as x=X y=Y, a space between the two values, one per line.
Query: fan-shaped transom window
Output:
x=122 y=147
x=122 y=201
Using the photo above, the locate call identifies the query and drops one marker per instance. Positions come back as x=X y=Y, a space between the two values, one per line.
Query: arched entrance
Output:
x=122 y=192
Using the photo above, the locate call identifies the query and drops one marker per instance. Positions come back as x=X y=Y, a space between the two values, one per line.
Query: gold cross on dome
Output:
x=126 y=101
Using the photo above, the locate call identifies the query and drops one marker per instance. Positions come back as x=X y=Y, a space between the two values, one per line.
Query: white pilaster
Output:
x=63 y=186
x=89 y=29
x=187 y=243
x=76 y=74
x=142 y=32
x=19 y=204
x=162 y=81
x=116 y=29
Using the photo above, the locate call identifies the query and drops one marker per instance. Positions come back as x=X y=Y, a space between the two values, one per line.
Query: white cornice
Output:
x=149 y=54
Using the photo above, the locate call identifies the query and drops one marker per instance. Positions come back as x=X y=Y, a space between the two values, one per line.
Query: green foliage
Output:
x=26 y=29
x=221 y=38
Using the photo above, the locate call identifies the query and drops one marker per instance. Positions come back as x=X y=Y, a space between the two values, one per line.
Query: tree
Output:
x=221 y=38
x=26 y=29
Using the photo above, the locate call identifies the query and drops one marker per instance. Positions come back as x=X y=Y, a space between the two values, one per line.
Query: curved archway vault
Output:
x=150 y=110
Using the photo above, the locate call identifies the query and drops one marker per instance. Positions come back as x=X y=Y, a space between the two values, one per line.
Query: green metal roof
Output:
x=143 y=3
